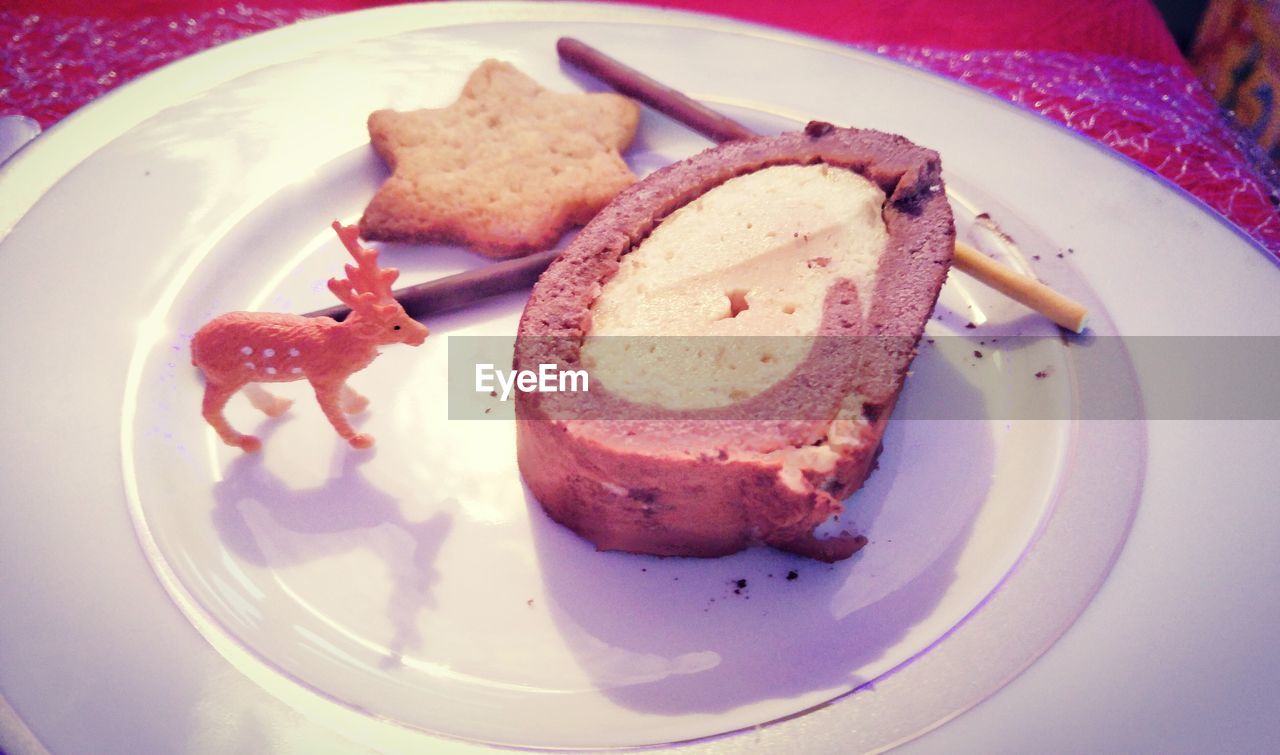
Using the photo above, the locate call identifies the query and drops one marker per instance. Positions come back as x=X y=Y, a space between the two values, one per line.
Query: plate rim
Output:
x=729 y=24
x=13 y=209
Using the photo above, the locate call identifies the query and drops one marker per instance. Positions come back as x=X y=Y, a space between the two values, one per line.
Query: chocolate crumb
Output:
x=970 y=326
x=1042 y=374
x=977 y=353
x=982 y=343
x=529 y=602
x=930 y=340
x=818 y=128
x=741 y=583
x=489 y=409
x=493 y=393
x=1060 y=255
x=1035 y=257
x=792 y=575
x=643 y=495
x=1070 y=250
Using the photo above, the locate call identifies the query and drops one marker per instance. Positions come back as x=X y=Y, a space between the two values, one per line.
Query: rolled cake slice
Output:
x=747 y=317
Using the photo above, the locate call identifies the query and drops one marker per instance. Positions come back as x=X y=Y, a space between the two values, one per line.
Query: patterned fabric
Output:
x=1120 y=28
x=53 y=65
x=1101 y=68
x=1237 y=52
x=1157 y=114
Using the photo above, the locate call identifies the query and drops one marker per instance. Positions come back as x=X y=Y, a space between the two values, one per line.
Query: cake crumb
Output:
x=1042 y=374
x=970 y=326
x=792 y=575
x=977 y=353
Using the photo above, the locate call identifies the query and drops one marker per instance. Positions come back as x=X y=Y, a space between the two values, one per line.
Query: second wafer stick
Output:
x=1023 y=289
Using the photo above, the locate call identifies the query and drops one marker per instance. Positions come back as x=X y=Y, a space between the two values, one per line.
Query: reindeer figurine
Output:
x=241 y=349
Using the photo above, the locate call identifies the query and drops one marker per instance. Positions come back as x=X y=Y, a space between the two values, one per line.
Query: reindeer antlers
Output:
x=366 y=283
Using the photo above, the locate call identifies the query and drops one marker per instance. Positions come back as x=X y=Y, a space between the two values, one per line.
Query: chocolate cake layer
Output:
x=708 y=482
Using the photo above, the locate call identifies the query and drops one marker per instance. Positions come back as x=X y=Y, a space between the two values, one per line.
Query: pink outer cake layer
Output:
x=712 y=482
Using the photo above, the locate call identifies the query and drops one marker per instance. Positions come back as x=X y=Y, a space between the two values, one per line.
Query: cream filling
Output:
x=754 y=256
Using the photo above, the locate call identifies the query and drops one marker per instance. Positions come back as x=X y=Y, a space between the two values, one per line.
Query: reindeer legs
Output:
x=265 y=402
x=330 y=398
x=215 y=398
x=353 y=402
x=335 y=400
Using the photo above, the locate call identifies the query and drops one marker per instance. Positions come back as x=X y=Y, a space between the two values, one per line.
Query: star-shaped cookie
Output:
x=505 y=170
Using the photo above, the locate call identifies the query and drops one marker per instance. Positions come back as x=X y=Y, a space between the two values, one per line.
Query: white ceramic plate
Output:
x=417 y=595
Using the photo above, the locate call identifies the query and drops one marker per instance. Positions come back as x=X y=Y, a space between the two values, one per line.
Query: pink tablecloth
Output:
x=1105 y=68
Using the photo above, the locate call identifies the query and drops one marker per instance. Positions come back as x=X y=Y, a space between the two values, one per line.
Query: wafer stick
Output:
x=1026 y=290
x=457 y=291
x=679 y=106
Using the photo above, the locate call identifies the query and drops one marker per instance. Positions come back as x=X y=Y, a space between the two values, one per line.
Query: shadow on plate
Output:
x=683 y=636
x=266 y=522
